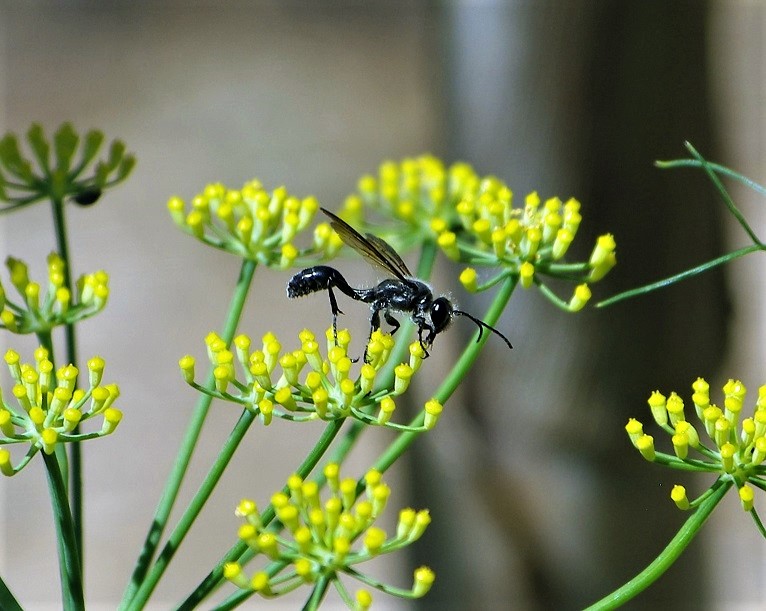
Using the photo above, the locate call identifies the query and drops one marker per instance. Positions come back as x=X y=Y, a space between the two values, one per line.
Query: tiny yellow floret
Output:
x=468 y=278
x=363 y=600
x=580 y=297
x=634 y=429
x=432 y=412
x=424 y=579
x=746 y=496
x=526 y=274
x=678 y=495
x=645 y=445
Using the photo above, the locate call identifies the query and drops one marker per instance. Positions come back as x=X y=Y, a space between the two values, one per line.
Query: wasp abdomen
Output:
x=308 y=281
x=318 y=278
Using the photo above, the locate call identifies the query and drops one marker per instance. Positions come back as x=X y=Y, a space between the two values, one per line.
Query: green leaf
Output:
x=39 y=146
x=65 y=142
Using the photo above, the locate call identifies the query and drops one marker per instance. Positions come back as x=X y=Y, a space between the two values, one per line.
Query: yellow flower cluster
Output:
x=529 y=242
x=738 y=447
x=327 y=538
x=272 y=385
x=254 y=223
x=42 y=310
x=50 y=406
x=414 y=190
x=473 y=220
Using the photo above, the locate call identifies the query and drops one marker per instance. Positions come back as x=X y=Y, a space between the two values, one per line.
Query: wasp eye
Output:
x=441 y=313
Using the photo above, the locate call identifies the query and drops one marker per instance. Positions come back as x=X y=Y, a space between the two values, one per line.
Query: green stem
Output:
x=70 y=340
x=46 y=341
x=669 y=555
x=724 y=195
x=453 y=379
x=239 y=552
x=758 y=523
x=180 y=465
x=682 y=276
x=192 y=511
x=69 y=560
x=317 y=594
x=695 y=163
x=7 y=599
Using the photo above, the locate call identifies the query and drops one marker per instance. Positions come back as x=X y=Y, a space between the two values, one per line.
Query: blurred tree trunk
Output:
x=544 y=504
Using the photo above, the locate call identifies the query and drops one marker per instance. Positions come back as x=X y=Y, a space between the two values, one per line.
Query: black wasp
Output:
x=400 y=293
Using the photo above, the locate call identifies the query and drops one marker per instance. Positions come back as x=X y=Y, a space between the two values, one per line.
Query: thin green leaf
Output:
x=91 y=145
x=116 y=153
x=124 y=169
x=65 y=142
x=758 y=523
x=724 y=194
x=679 y=277
x=40 y=147
x=720 y=169
x=10 y=156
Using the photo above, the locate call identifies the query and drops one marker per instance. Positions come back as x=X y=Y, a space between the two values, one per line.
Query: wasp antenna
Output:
x=482 y=325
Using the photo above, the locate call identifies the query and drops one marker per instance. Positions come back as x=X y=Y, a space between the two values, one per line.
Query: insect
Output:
x=400 y=293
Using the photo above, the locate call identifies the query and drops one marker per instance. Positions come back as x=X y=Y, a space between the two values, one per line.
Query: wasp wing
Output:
x=377 y=251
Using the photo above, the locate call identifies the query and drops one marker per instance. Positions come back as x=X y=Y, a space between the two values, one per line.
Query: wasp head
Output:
x=432 y=317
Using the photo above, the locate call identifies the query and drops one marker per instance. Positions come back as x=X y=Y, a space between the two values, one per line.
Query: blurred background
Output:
x=538 y=500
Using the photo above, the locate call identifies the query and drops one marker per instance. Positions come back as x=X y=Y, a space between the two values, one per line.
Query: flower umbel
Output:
x=61 y=175
x=473 y=220
x=329 y=390
x=42 y=310
x=49 y=406
x=325 y=539
x=736 y=449
x=254 y=223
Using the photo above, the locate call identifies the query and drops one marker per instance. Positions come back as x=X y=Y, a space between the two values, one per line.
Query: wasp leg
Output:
x=335 y=311
x=391 y=321
x=426 y=354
